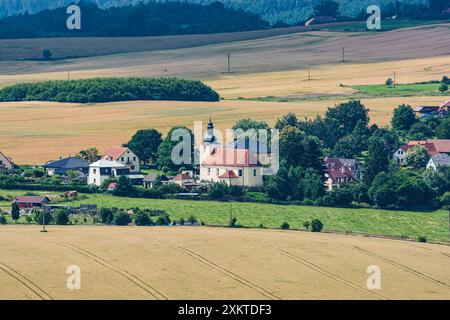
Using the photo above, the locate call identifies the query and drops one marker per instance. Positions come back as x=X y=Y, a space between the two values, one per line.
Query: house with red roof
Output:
x=341 y=171
x=184 y=179
x=123 y=155
x=29 y=202
x=433 y=146
x=5 y=163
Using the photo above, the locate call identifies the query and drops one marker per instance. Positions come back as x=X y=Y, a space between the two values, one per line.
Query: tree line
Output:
x=110 y=89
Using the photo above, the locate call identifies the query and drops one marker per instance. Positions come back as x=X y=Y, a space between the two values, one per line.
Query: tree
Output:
x=289 y=119
x=247 y=124
x=307 y=224
x=142 y=218
x=443 y=129
x=403 y=118
x=124 y=187
x=106 y=215
x=62 y=217
x=417 y=157
x=445 y=80
x=389 y=82
x=421 y=131
x=3 y=219
x=145 y=144
x=39 y=215
x=46 y=54
x=348 y=115
x=443 y=88
x=316 y=225
x=218 y=191
x=327 y=8
x=377 y=159
x=164 y=154
x=121 y=218
x=90 y=155
x=15 y=211
x=285 y=226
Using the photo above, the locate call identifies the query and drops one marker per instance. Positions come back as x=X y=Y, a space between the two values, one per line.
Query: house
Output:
x=104 y=169
x=5 y=163
x=426 y=110
x=433 y=146
x=230 y=164
x=125 y=156
x=445 y=107
x=341 y=171
x=29 y=202
x=61 y=166
x=112 y=186
x=149 y=181
x=185 y=179
x=438 y=161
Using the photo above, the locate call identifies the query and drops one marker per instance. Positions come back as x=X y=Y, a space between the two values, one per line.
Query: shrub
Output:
x=121 y=218
x=285 y=226
x=39 y=215
x=28 y=219
x=106 y=215
x=316 y=225
x=163 y=220
x=192 y=219
x=2 y=219
x=233 y=222
x=142 y=219
x=62 y=217
x=307 y=224
x=46 y=54
x=422 y=239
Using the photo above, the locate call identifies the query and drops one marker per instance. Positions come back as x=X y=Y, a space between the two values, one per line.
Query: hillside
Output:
x=289 y=11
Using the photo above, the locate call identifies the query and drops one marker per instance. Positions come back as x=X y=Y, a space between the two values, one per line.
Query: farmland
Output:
x=204 y=263
x=432 y=225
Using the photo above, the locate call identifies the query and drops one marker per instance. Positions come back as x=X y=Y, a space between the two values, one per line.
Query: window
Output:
x=217 y=171
x=132 y=167
x=209 y=171
x=240 y=172
x=134 y=158
x=95 y=171
x=122 y=159
x=254 y=172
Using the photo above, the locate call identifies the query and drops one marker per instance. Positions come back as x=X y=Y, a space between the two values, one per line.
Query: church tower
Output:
x=209 y=142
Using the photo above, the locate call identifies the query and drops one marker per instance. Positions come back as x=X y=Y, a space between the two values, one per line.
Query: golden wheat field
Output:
x=35 y=132
x=214 y=263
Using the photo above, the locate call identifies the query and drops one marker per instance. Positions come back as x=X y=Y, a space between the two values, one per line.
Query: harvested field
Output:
x=204 y=263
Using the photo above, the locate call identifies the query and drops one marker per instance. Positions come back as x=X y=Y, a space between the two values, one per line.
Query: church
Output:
x=231 y=164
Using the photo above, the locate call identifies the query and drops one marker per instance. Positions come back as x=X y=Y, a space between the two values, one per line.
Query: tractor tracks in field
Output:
x=404 y=267
x=215 y=266
x=26 y=282
x=320 y=270
x=124 y=273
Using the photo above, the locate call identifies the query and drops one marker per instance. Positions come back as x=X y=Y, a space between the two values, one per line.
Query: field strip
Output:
x=406 y=268
x=436 y=251
x=320 y=270
x=217 y=267
x=129 y=276
x=38 y=291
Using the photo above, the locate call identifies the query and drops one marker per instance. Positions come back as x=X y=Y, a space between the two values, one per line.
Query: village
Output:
x=233 y=165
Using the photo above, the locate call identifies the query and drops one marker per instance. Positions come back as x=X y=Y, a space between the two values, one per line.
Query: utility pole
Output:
x=394 y=79
x=68 y=75
x=43 y=219
x=229 y=64
x=343 y=54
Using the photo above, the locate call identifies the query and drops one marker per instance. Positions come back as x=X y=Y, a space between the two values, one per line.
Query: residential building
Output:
x=185 y=179
x=125 y=156
x=149 y=181
x=5 y=162
x=433 y=146
x=61 y=166
x=438 y=161
x=341 y=171
x=30 y=202
x=104 y=169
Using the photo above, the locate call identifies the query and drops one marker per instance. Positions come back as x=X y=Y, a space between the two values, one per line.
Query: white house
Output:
x=5 y=162
x=433 y=146
x=103 y=169
x=439 y=160
x=125 y=156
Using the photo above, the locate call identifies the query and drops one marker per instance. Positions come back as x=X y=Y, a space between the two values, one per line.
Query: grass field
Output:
x=433 y=225
x=400 y=90
x=204 y=263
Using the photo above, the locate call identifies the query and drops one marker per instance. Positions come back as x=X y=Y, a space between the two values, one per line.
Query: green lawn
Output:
x=386 y=25
x=413 y=89
x=433 y=225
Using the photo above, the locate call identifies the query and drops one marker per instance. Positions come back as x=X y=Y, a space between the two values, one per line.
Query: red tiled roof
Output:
x=31 y=199
x=182 y=176
x=112 y=186
x=342 y=172
x=114 y=153
x=434 y=146
x=232 y=158
x=229 y=174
